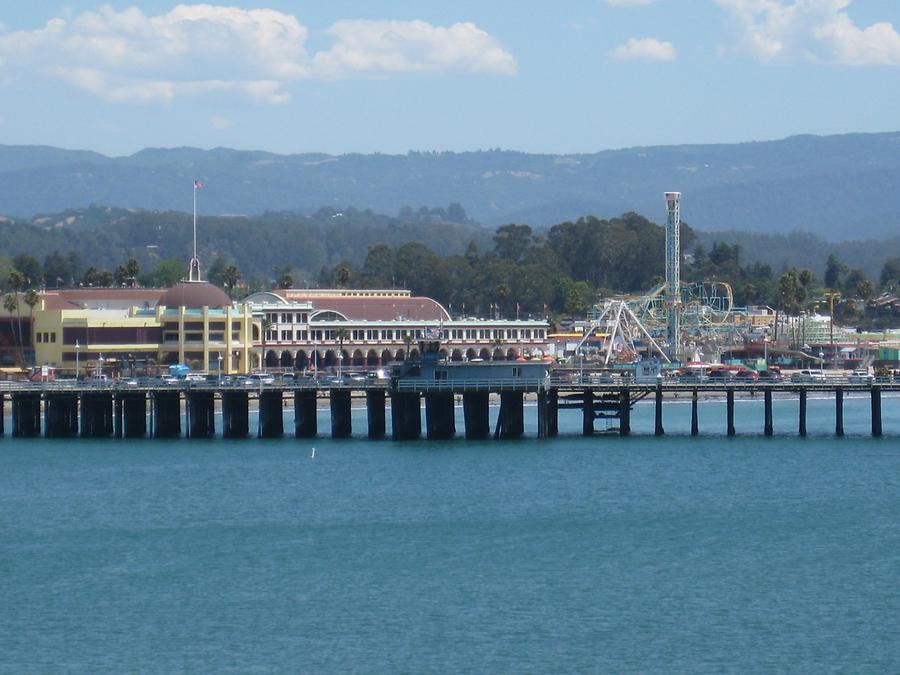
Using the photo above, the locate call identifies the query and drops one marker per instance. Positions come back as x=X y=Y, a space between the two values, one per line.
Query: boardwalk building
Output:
x=323 y=328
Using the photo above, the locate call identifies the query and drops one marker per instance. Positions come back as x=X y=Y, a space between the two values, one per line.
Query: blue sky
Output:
x=340 y=76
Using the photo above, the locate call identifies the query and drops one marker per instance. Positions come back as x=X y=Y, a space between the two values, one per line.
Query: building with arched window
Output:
x=323 y=328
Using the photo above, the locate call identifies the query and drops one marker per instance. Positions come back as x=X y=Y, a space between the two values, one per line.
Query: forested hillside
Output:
x=839 y=187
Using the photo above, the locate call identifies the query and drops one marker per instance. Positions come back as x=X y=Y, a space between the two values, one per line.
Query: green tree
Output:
x=17 y=282
x=29 y=267
x=57 y=270
x=865 y=289
x=378 y=269
x=11 y=304
x=834 y=271
x=890 y=272
x=579 y=298
x=31 y=299
x=165 y=274
x=231 y=276
x=513 y=242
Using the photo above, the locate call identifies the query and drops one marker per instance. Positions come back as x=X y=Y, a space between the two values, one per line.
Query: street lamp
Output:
x=100 y=367
x=340 y=357
x=77 y=350
x=219 y=359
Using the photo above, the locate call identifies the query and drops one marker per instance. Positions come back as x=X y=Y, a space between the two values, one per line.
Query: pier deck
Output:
x=160 y=409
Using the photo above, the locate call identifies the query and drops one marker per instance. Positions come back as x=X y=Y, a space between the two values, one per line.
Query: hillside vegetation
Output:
x=838 y=187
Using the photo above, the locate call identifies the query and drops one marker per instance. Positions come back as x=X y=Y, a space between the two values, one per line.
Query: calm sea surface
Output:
x=571 y=555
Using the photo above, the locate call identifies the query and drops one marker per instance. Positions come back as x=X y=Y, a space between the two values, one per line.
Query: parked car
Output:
x=860 y=377
x=809 y=376
x=693 y=377
x=770 y=376
x=747 y=376
x=721 y=374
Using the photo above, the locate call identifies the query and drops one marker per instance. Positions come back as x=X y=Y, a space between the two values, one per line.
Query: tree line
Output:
x=513 y=271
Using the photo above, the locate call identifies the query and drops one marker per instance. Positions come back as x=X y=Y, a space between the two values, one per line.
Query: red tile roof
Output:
x=381 y=309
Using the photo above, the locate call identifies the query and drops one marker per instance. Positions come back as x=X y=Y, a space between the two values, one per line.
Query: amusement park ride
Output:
x=672 y=318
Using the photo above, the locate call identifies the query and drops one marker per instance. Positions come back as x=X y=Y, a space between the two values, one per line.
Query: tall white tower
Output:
x=673 y=273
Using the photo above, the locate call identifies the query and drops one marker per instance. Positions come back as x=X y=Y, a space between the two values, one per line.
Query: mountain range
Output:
x=837 y=187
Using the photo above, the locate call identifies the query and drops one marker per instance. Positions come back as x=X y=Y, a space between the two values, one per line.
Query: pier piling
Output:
x=235 y=414
x=729 y=406
x=201 y=422
x=166 y=414
x=839 y=412
x=768 y=427
x=406 y=416
x=476 y=411
x=440 y=422
x=306 y=420
x=341 y=424
x=271 y=419
x=876 y=411
x=587 y=420
x=96 y=415
x=26 y=414
x=61 y=415
x=375 y=414
x=134 y=414
x=695 y=418
x=511 y=421
x=552 y=413
x=659 y=431
x=624 y=412
x=802 y=420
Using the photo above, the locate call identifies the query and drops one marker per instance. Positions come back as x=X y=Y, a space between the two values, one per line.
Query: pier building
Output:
x=192 y=322
x=324 y=328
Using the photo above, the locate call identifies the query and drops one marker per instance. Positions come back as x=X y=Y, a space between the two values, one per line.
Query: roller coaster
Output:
x=627 y=326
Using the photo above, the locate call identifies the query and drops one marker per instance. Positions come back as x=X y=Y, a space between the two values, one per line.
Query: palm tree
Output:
x=132 y=268
x=31 y=299
x=230 y=276
x=17 y=282
x=10 y=304
x=407 y=340
x=341 y=334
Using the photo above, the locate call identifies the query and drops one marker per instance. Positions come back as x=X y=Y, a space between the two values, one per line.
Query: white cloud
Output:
x=219 y=123
x=815 y=30
x=200 y=49
x=410 y=46
x=644 y=49
x=629 y=3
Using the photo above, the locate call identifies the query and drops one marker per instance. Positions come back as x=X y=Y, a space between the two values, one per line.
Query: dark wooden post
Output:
x=658 y=430
x=729 y=404
x=802 y=420
x=839 y=412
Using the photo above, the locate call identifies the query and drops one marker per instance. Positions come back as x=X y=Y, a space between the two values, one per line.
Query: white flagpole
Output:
x=195 y=220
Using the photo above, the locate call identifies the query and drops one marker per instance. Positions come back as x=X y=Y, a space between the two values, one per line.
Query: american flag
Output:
x=197 y=185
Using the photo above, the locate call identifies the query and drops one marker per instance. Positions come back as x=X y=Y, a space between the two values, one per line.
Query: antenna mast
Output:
x=194 y=272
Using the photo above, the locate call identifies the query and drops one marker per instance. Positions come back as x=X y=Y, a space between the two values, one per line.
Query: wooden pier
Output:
x=67 y=409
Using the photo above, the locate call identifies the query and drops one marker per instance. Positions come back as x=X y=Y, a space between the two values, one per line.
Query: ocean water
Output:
x=568 y=555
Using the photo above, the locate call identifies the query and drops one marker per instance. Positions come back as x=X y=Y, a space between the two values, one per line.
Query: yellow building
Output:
x=193 y=323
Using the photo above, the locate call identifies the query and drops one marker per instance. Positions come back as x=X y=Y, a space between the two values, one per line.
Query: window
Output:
x=285 y=318
x=53 y=337
x=517 y=371
x=40 y=337
x=271 y=335
x=440 y=374
x=287 y=335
